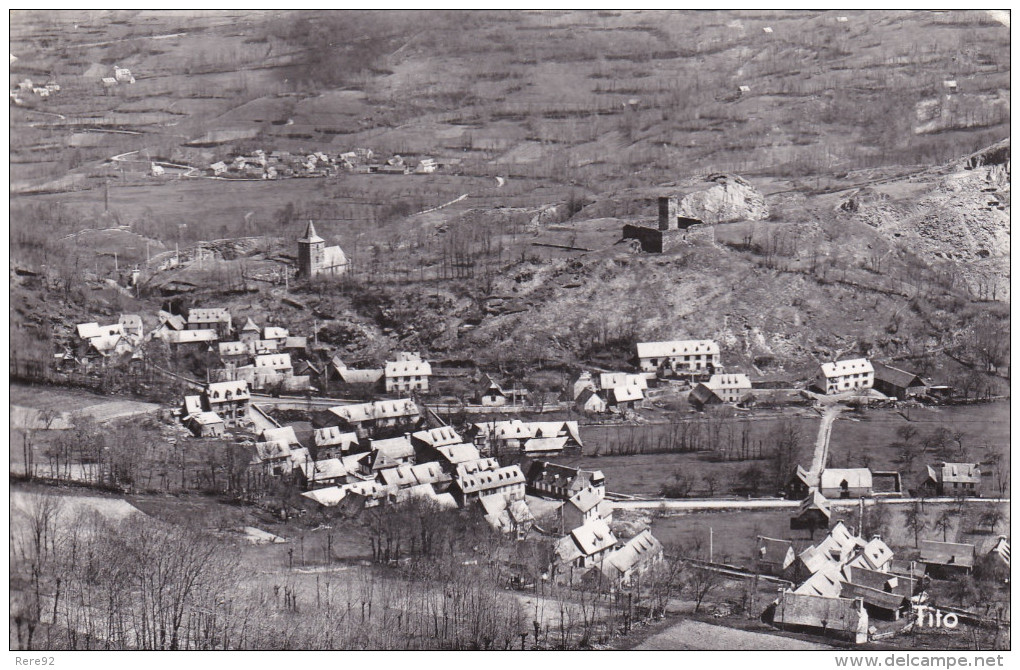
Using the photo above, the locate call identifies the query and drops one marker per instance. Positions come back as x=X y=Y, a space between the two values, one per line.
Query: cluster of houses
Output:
x=96 y=343
x=121 y=75
x=941 y=479
x=27 y=87
x=845 y=580
x=284 y=165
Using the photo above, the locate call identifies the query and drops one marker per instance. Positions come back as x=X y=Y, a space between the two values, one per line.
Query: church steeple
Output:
x=311 y=236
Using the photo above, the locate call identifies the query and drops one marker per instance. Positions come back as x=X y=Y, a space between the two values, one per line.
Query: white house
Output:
x=730 y=388
x=849 y=375
x=679 y=356
x=406 y=376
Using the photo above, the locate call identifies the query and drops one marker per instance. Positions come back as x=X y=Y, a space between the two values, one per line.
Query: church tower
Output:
x=311 y=253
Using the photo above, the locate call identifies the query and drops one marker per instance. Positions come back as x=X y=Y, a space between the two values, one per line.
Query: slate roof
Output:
x=438 y=437
x=947 y=553
x=848 y=367
x=854 y=477
x=490 y=479
x=896 y=376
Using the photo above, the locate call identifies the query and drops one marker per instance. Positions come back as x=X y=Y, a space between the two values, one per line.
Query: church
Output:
x=315 y=258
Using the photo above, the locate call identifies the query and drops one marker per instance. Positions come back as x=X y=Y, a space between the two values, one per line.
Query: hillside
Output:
x=866 y=208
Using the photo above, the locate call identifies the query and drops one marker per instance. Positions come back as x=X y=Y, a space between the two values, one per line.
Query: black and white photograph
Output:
x=510 y=330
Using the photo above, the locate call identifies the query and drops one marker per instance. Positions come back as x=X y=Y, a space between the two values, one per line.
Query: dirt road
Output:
x=698 y=635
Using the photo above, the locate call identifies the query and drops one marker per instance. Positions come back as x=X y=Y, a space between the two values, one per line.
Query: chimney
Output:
x=667 y=212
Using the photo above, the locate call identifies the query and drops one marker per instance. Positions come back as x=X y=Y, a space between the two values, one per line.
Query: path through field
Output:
x=821 y=454
x=698 y=635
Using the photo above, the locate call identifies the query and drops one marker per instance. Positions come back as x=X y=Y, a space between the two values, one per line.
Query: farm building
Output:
x=681 y=356
x=625 y=397
x=844 y=376
x=946 y=559
x=671 y=231
x=842 y=618
x=730 y=388
x=952 y=479
x=846 y=483
x=897 y=383
x=814 y=513
x=701 y=397
x=205 y=424
x=315 y=258
x=774 y=556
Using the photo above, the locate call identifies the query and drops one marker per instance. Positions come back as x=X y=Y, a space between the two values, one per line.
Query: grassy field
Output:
x=734 y=532
x=857 y=441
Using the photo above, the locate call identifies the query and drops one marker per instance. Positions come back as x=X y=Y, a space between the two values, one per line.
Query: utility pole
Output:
x=711 y=546
x=106 y=196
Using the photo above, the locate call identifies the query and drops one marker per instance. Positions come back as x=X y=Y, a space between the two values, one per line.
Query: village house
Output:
x=195 y=338
x=275 y=334
x=585 y=545
x=613 y=380
x=947 y=559
x=671 y=231
x=582 y=382
x=883 y=600
x=218 y=168
x=250 y=332
x=228 y=399
x=283 y=433
x=507 y=516
x=952 y=479
x=590 y=400
x=634 y=558
x=332 y=442
x=213 y=318
x=731 y=388
x=698 y=357
x=391 y=452
x=450 y=456
x=273 y=459
x=561 y=482
x=325 y=473
x=584 y=506
x=435 y=437
x=132 y=327
x=367 y=418
x=278 y=364
x=315 y=258
x=624 y=398
x=169 y=322
x=530 y=438
x=489 y=393
x=234 y=353
x=844 y=376
x=407 y=376
x=507 y=481
x=897 y=383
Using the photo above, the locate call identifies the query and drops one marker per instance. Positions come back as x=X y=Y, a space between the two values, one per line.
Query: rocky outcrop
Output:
x=722 y=198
